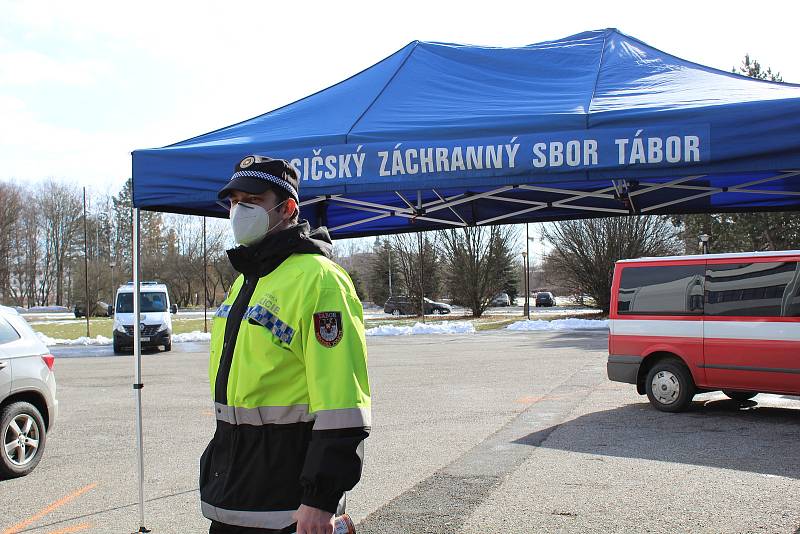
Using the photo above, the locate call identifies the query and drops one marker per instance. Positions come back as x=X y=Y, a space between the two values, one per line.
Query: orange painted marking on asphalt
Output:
x=68 y=530
x=58 y=504
x=532 y=399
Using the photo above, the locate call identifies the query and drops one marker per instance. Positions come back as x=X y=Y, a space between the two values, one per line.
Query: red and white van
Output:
x=690 y=324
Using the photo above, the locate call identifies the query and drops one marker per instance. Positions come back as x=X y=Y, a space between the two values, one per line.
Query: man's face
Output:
x=267 y=200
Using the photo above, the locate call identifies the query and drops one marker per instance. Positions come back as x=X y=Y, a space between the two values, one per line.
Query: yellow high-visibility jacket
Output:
x=288 y=375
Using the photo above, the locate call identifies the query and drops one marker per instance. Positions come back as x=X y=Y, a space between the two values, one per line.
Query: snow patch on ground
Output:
x=560 y=324
x=100 y=340
x=83 y=340
x=191 y=336
x=445 y=327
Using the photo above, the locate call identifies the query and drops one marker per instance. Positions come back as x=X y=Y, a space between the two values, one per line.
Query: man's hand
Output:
x=313 y=520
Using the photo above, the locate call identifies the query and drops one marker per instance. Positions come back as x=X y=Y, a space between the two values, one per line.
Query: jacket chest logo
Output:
x=328 y=327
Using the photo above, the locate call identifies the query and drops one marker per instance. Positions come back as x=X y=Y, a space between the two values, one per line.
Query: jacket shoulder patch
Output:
x=328 y=328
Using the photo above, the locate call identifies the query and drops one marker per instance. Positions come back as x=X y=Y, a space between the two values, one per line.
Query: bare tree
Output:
x=418 y=269
x=10 y=203
x=585 y=251
x=60 y=207
x=480 y=262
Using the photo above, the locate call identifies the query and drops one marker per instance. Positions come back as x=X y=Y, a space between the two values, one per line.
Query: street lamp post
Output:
x=112 y=264
x=527 y=272
x=704 y=242
x=527 y=293
x=390 y=272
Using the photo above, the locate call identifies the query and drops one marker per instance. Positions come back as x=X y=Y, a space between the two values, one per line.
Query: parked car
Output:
x=501 y=299
x=691 y=324
x=156 y=319
x=403 y=305
x=101 y=309
x=28 y=405
x=545 y=298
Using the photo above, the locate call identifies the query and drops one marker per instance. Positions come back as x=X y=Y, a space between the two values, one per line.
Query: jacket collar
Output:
x=264 y=257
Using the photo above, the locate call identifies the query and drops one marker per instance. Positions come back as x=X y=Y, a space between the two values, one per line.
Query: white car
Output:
x=155 y=316
x=28 y=405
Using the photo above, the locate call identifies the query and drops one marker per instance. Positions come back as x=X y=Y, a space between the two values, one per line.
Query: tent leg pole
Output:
x=137 y=351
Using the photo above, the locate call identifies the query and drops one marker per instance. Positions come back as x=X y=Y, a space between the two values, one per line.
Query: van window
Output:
x=151 y=301
x=7 y=332
x=661 y=290
x=753 y=289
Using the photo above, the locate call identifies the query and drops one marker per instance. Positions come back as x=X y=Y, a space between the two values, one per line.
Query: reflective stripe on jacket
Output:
x=291 y=393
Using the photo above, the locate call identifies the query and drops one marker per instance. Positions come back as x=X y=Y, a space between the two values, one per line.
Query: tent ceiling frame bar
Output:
x=311 y=201
x=786 y=174
x=431 y=219
x=681 y=200
x=390 y=211
x=450 y=208
x=518 y=201
x=655 y=187
x=404 y=199
x=618 y=211
x=355 y=202
x=583 y=194
x=362 y=221
x=600 y=193
x=508 y=215
x=448 y=199
x=477 y=196
x=764 y=192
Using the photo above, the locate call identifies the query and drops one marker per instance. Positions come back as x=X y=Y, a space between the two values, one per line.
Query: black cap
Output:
x=255 y=174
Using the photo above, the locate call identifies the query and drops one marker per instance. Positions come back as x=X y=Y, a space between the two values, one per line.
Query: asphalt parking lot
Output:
x=498 y=432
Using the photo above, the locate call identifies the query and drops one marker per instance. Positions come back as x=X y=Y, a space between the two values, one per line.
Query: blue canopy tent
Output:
x=442 y=135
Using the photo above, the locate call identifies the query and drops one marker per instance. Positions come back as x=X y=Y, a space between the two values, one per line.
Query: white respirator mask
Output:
x=250 y=222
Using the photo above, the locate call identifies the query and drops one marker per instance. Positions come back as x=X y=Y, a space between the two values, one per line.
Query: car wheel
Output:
x=436 y=311
x=669 y=386
x=168 y=346
x=23 y=439
x=396 y=313
x=740 y=395
x=117 y=348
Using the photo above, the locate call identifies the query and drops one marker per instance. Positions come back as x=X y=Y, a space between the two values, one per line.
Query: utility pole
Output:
x=526 y=311
x=86 y=264
x=389 y=249
x=527 y=272
x=205 y=281
x=421 y=260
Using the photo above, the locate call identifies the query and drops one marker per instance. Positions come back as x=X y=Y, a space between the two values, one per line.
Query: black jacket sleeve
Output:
x=333 y=466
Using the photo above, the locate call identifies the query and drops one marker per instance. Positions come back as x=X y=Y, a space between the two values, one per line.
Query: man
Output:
x=287 y=370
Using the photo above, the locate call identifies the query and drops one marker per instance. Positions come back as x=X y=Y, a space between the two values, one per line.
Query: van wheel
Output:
x=168 y=346
x=669 y=385
x=396 y=313
x=740 y=395
x=117 y=348
x=22 y=439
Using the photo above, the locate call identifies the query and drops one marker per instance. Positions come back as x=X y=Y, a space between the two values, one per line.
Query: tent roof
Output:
x=595 y=123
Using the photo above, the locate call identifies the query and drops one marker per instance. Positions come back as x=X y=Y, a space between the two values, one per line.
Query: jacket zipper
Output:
x=232 y=326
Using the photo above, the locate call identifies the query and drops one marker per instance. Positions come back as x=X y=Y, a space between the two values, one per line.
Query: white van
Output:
x=156 y=319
